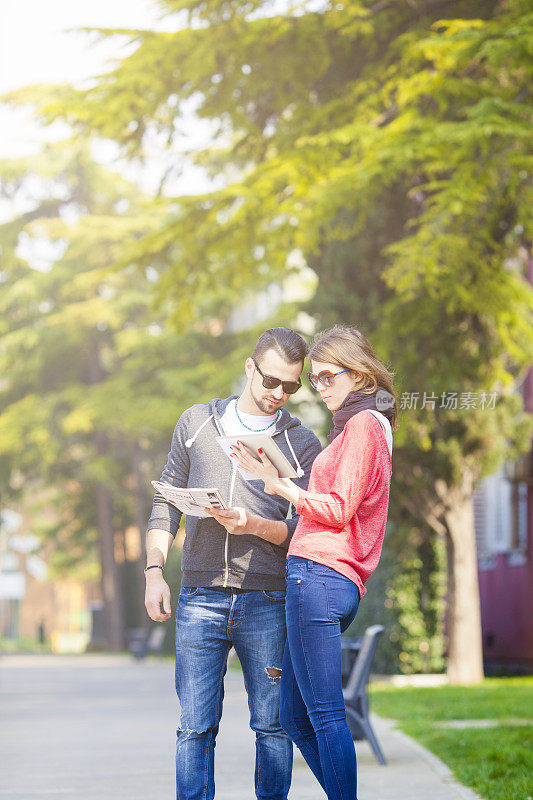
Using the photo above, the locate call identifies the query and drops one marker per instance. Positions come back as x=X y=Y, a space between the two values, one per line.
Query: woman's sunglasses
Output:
x=325 y=378
x=269 y=382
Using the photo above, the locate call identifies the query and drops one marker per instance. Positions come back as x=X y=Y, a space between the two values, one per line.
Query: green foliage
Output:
x=397 y=160
x=93 y=382
x=406 y=136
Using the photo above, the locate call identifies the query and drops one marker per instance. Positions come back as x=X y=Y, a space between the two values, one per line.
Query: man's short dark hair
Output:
x=288 y=344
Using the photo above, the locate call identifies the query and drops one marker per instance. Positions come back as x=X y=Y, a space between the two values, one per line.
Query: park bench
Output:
x=357 y=655
x=142 y=641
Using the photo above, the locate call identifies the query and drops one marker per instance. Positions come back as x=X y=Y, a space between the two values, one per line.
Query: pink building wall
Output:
x=507 y=609
x=506 y=591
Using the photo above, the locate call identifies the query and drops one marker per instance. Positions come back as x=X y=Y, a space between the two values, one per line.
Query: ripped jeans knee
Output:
x=273 y=672
x=187 y=733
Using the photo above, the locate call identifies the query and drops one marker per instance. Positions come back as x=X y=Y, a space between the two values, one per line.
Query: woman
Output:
x=335 y=548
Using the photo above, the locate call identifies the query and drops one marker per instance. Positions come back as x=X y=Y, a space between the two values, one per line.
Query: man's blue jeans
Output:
x=320 y=604
x=208 y=623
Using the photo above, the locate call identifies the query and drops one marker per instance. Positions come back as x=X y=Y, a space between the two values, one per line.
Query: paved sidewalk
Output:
x=104 y=727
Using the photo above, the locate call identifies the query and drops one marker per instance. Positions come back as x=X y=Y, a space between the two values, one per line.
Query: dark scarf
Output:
x=359 y=401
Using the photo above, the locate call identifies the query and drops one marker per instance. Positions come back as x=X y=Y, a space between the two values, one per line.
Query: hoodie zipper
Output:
x=226 y=546
x=216 y=420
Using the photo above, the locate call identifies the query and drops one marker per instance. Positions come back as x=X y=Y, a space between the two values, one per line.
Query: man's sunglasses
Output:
x=269 y=382
x=325 y=378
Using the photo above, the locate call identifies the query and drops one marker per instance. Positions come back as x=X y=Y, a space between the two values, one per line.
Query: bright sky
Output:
x=37 y=45
x=34 y=47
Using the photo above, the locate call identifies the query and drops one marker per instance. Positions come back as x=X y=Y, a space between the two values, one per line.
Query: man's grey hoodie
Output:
x=212 y=556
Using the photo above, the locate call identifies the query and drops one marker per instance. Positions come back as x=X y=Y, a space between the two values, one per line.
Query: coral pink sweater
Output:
x=344 y=511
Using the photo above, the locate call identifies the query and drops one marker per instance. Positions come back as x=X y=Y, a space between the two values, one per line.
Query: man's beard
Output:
x=263 y=405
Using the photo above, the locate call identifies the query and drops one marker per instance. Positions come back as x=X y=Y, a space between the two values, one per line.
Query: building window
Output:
x=519 y=509
x=501 y=515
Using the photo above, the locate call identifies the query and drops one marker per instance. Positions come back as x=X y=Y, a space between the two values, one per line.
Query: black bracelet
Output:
x=154 y=566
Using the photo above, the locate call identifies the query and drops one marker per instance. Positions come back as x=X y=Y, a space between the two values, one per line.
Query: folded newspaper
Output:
x=190 y=501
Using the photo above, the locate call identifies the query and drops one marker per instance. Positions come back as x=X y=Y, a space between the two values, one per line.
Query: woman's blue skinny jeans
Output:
x=320 y=604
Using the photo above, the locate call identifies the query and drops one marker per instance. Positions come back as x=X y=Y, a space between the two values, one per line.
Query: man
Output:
x=233 y=564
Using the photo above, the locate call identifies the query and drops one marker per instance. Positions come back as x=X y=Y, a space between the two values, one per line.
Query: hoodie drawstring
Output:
x=190 y=442
x=299 y=471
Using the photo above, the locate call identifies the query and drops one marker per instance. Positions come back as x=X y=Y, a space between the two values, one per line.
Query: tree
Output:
x=92 y=383
x=391 y=141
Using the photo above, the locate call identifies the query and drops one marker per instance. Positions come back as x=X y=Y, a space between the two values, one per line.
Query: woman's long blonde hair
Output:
x=349 y=348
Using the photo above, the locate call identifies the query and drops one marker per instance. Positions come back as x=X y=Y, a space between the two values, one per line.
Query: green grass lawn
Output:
x=495 y=762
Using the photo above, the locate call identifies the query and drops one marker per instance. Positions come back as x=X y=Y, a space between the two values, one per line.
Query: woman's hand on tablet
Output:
x=264 y=469
x=267 y=472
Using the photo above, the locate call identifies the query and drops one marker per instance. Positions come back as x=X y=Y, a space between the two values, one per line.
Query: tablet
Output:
x=254 y=441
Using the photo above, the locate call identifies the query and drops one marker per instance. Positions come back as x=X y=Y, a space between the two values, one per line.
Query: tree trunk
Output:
x=111 y=586
x=141 y=520
x=465 y=654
